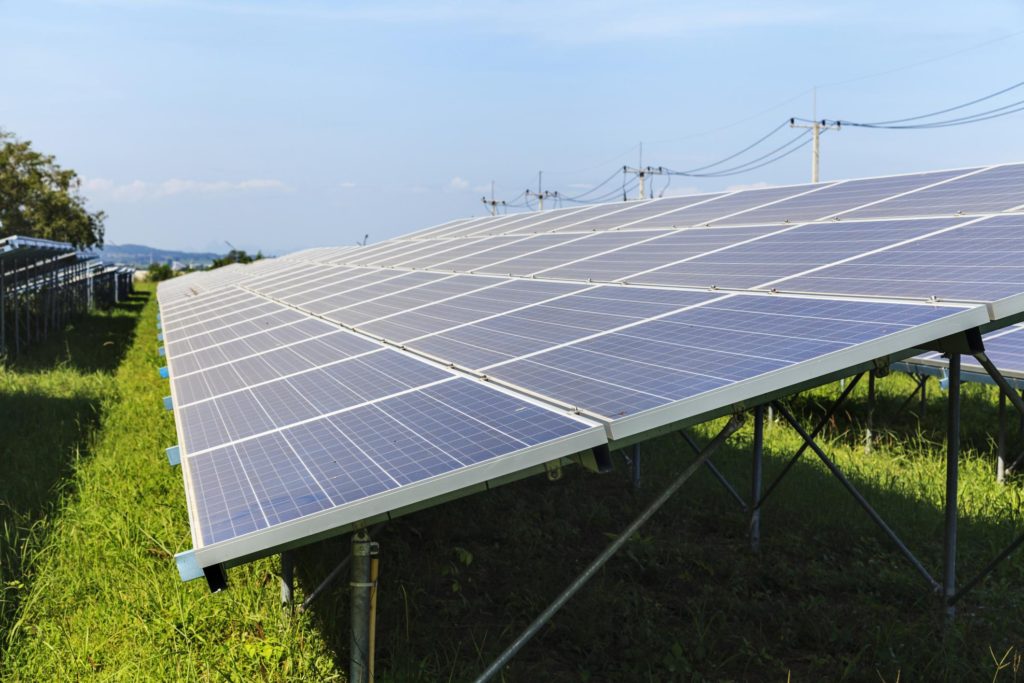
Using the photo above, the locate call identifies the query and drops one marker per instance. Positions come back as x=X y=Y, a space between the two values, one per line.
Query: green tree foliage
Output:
x=159 y=271
x=38 y=198
x=236 y=256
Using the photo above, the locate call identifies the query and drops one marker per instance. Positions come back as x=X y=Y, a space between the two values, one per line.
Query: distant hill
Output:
x=141 y=256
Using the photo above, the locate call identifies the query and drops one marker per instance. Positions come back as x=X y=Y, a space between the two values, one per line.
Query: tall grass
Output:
x=827 y=598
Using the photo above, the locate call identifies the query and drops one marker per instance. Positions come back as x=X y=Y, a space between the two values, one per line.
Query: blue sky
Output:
x=293 y=124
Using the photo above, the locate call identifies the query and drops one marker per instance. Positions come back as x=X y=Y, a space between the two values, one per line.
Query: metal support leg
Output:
x=495 y=668
x=361 y=586
x=287 y=579
x=332 y=576
x=1001 y=439
x=755 y=480
x=952 y=472
x=924 y=396
x=871 y=412
x=635 y=466
x=852 y=490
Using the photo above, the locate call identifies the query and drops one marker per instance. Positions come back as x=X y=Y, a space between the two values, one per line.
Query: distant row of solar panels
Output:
x=332 y=386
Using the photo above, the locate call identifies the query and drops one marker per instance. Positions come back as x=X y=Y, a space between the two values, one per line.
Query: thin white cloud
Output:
x=135 y=190
x=346 y=184
x=458 y=184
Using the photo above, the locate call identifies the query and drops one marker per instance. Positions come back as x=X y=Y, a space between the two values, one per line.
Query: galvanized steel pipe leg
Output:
x=287 y=579
x=952 y=472
x=361 y=586
x=755 y=480
x=924 y=396
x=545 y=616
x=635 y=463
x=1001 y=440
x=871 y=412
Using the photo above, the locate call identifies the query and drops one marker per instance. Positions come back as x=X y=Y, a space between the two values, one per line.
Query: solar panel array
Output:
x=336 y=385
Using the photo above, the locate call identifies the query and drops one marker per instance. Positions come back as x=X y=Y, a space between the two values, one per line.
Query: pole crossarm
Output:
x=852 y=490
x=822 y=423
x=734 y=423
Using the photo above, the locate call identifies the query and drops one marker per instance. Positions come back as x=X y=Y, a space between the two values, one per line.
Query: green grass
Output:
x=95 y=585
x=93 y=515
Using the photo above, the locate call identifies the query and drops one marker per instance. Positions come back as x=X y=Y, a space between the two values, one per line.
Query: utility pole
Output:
x=492 y=203
x=817 y=127
x=540 y=194
x=642 y=172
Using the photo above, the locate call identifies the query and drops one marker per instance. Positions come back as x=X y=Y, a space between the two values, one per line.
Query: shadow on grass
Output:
x=828 y=598
x=94 y=341
x=51 y=401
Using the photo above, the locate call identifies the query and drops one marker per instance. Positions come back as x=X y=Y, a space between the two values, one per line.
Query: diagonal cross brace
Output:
x=852 y=490
x=717 y=473
x=498 y=664
x=1000 y=381
x=826 y=418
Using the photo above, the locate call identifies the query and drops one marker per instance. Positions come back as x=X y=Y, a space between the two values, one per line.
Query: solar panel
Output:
x=838 y=198
x=646 y=255
x=481 y=348
x=981 y=261
x=740 y=345
x=986 y=191
x=783 y=253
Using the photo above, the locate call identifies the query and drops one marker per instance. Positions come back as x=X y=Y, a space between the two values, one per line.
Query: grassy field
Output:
x=91 y=515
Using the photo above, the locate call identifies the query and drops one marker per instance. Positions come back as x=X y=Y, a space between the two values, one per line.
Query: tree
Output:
x=236 y=256
x=158 y=272
x=38 y=198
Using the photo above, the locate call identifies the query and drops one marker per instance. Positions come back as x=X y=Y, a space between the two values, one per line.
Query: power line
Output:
x=904 y=123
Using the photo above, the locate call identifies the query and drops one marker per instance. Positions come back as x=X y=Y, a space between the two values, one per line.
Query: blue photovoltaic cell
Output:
x=989 y=191
x=545 y=325
x=627 y=262
x=790 y=252
x=503 y=252
x=410 y=250
x=731 y=203
x=523 y=224
x=637 y=213
x=171 y=318
x=222 y=319
x=496 y=226
x=399 y=281
x=730 y=340
x=446 y=288
x=837 y=198
x=362 y=452
x=326 y=274
x=469 y=227
x=241 y=329
x=456 y=249
x=567 y=220
x=983 y=261
x=586 y=246
x=467 y=308
x=345 y=282
x=280 y=402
